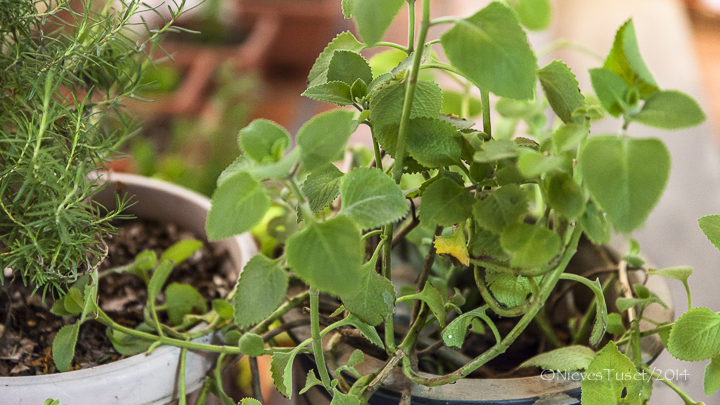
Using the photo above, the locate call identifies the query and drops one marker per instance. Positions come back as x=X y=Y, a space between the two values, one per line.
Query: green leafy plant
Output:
x=493 y=204
x=65 y=73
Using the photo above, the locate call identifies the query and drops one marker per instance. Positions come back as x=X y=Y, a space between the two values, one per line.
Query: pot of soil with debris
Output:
x=511 y=378
x=163 y=215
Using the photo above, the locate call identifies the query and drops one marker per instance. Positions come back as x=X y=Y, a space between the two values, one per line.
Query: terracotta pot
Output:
x=138 y=379
x=306 y=27
x=198 y=64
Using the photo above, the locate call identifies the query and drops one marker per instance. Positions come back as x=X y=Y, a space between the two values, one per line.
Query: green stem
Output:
x=410 y=87
x=317 y=340
x=546 y=287
x=685 y=397
x=465 y=105
x=444 y=67
x=485 y=104
x=44 y=119
x=158 y=325
x=650 y=332
x=371 y=233
x=378 y=155
x=445 y=20
x=411 y=26
x=255 y=374
x=411 y=337
x=183 y=355
x=542 y=322
x=204 y=392
x=635 y=343
x=107 y=321
x=687 y=291
x=587 y=319
x=393 y=45
x=401 y=145
x=489 y=298
x=294 y=302
x=564 y=43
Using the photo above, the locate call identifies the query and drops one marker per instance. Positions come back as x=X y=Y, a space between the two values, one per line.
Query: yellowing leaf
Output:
x=454 y=246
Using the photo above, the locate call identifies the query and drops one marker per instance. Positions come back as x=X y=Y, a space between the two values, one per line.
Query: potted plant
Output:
x=508 y=210
x=66 y=71
x=135 y=378
x=496 y=215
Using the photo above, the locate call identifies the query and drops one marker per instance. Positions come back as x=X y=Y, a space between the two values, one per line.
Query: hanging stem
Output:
x=255 y=373
x=317 y=339
x=485 y=101
x=548 y=283
x=685 y=397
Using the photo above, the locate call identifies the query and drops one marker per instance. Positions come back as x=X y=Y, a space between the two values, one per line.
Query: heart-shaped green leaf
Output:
x=372 y=198
x=63 y=347
x=386 y=105
x=322 y=186
x=238 y=204
x=434 y=143
x=626 y=176
x=625 y=61
x=614 y=378
x=610 y=89
x=323 y=138
x=263 y=140
x=670 y=109
x=373 y=17
x=454 y=334
x=509 y=290
x=502 y=207
x=259 y=274
x=492 y=50
x=332 y=92
x=319 y=71
x=375 y=298
x=432 y=298
x=347 y=67
x=181 y=299
x=565 y=195
x=445 y=203
x=532 y=246
x=695 y=336
x=328 y=256
x=711 y=380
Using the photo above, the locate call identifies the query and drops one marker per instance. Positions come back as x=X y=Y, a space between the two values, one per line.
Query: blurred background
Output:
x=252 y=57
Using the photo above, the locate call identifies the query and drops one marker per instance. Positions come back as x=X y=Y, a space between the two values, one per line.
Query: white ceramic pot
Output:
x=138 y=379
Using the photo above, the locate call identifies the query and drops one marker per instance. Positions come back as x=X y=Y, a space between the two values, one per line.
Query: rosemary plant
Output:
x=64 y=72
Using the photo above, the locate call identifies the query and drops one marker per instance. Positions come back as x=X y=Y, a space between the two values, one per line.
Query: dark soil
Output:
x=27 y=328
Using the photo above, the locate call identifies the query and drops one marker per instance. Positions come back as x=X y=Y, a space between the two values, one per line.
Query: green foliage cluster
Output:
x=508 y=207
x=503 y=206
x=64 y=74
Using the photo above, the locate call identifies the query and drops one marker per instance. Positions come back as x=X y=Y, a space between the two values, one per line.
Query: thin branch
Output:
x=425 y=274
x=255 y=373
